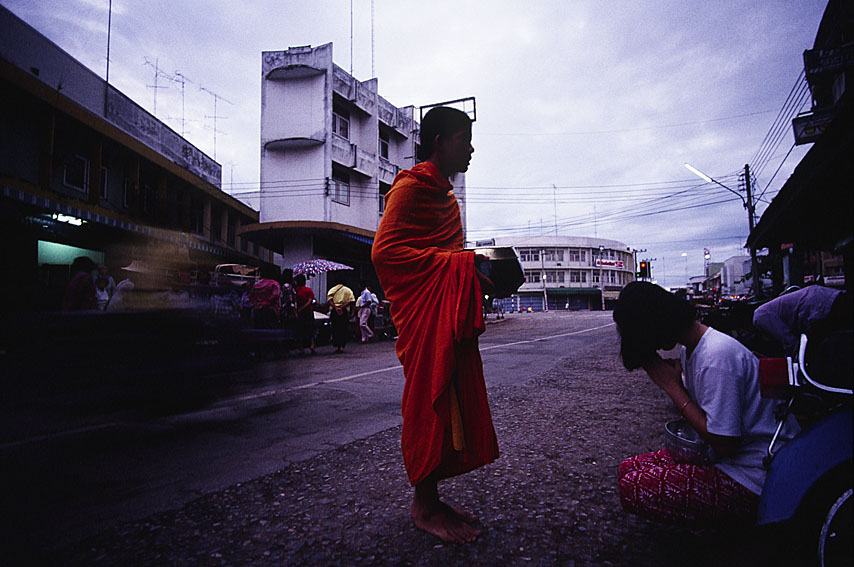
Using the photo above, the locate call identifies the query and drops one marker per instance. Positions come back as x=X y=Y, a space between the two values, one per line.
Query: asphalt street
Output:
x=78 y=475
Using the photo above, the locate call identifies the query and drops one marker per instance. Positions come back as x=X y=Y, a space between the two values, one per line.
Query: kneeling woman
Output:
x=719 y=398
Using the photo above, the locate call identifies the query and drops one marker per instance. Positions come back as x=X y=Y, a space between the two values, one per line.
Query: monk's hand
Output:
x=666 y=374
x=486 y=284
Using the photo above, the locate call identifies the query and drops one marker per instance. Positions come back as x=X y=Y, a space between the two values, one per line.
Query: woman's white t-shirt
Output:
x=722 y=377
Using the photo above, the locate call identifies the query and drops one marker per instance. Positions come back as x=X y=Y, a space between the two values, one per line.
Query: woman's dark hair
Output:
x=649 y=318
x=442 y=121
x=299 y=280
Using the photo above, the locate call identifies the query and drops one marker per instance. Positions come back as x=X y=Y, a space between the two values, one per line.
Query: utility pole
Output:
x=750 y=206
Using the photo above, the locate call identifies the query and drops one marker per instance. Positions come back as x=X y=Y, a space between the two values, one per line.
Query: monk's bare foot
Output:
x=463 y=514
x=443 y=522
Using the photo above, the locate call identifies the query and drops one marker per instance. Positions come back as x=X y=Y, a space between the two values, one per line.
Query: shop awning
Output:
x=814 y=207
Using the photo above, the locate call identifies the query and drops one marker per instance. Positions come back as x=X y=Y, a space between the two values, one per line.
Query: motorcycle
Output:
x=808 y=488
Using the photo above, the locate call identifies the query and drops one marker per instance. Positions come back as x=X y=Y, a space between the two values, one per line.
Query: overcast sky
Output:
x=586 y=110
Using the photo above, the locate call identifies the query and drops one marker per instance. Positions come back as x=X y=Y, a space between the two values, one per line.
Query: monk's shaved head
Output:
x=441 y=121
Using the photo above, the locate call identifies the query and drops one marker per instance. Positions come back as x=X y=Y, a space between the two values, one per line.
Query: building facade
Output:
x=807 y=228
x=85 y=171
x=331 y=147
x=570 y=272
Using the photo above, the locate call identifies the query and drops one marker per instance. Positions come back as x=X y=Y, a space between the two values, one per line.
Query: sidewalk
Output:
x=549 y=500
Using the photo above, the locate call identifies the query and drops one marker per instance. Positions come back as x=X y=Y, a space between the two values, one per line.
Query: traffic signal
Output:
x=644 y=270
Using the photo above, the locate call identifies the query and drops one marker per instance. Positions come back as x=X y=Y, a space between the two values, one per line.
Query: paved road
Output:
x=77 y=479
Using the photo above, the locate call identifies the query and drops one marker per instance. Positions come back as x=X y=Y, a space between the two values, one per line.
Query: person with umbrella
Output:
x=305 y=313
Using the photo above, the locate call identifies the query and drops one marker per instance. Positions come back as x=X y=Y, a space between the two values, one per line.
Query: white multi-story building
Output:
x=733 y=274
x=330 y=150
x=570 y=272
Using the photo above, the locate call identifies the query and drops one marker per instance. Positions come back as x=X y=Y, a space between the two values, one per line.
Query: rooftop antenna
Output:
x=216 y=98
x=181 y=79
x=107 y=79
x=109 y=30
x=351 y=38
x=554 y=194
x=373 y=69
x=155 y=86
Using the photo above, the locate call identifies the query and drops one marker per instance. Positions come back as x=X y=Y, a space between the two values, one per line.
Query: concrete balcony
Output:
x=404 y=122
x=343 y=83
x=366 y=162
x=386 y=112
x=366 y=96
x=343 y=152
x=386 y=171
x=296 y=62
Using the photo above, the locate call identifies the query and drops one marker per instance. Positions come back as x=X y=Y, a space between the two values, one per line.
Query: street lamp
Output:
x=751 y=208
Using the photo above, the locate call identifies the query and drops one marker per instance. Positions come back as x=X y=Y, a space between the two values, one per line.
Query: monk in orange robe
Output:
x=435 y=293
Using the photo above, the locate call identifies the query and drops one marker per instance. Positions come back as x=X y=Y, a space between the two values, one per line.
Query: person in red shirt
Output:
x=305 y=313
x=80 y=293
x=435 y=293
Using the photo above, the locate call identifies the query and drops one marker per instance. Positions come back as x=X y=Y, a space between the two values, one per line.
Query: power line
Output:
x=620 y=130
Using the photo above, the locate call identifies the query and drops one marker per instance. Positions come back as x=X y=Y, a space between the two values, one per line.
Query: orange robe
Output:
x=436 y=308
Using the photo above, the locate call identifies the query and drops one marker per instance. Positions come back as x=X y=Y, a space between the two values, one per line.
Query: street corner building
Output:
x=436 y=306
x=569 y=272
x=331 y=147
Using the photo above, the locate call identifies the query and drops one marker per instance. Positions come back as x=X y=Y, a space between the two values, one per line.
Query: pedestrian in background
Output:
x=80 y=291
x=366 y=307
x=341 y=300
x=101 y=294
x=305 y=313
x=103 y=272
x=265 y=295
x=288 y=298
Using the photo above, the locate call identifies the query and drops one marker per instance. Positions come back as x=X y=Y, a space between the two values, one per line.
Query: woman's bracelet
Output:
x=682 y=407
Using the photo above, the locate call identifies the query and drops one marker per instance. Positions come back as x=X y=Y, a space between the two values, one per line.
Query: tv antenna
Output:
x=157 y=73
x=215 y=116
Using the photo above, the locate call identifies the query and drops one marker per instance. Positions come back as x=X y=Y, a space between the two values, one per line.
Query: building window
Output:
x=533 y=276
x=555 y=276
x=125 y=197
x=384 y=187
x=340 y=186
x=231 y=231
x=197 y=215
x=553 y=255
x=577 y=276
x=216 y=224
x=595 y=276
x=341 y=121
x=147 y=199
x=76 y=173
x=104 y=182
x=383 y=143
x=529 y=254
x=576 y=255
x=612 y=277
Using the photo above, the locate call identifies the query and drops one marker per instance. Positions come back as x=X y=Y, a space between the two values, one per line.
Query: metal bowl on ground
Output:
x=685 y=444
x=503 y=267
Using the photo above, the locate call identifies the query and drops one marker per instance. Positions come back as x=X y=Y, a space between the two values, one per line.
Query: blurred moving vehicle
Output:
x=238 y=274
